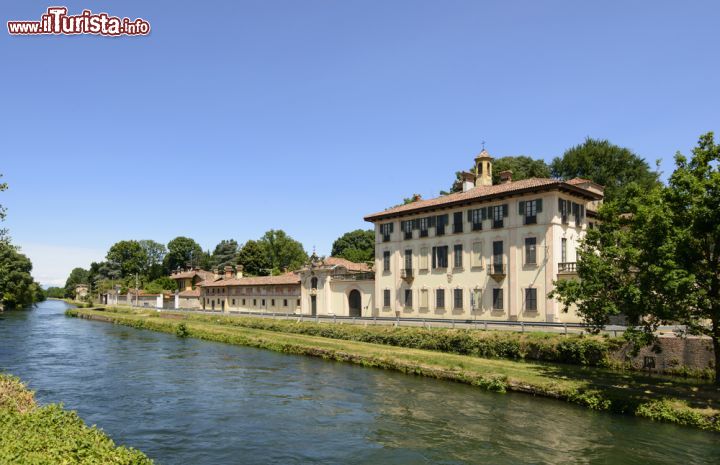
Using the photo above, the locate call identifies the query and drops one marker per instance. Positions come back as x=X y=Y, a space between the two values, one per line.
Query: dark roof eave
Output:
x=550 y=187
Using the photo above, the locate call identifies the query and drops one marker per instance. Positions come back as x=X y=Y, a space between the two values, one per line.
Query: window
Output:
x=298 y=302
x=424 y=258
x=407 y=228
x=440 y=222
x=564 y=208
x=457 y=222
x=272 y=302
x=530 y=299
x=476 y=217
x=408 y=298
x=529 y=210
x=475 y=299
x=530 y=251
x=285 y=303
x=243 y=301
x=458 y=255
x=498 y=257
x=386 y=261
x=423 y=224
x=263 y=302
x=408 y=260
x=499 y=212
x=313 y=283
x=233 y=301
x=440 y=298
x=440 y=257
x=458 y=299
x=476 y=257
x=563 y=250
x=254 y=302
x=497 y=299
x=386 y=230
x=423 y=298
x=386 y=298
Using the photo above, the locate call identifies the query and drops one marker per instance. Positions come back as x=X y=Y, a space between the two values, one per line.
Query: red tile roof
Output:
x=351 y=266
x=204 y=275
x=484 y=193
x=288 y=278
x=190 y=293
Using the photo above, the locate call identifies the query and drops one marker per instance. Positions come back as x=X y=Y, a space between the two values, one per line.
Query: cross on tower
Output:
x=483 y=145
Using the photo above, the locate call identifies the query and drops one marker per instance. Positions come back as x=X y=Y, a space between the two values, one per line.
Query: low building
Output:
x=335 y=286
x=81 y=291
x=261 y=294
x=188 y=284
x=488 y=252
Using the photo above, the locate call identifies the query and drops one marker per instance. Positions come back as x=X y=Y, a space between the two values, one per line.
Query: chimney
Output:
x=239 y=271
x=228 y=272
x=468 y=181
x=505 y=176
x=216 y=274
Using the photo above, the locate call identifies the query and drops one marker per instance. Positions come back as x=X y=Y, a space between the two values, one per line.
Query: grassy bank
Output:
x=684 y=402
x=50 y=435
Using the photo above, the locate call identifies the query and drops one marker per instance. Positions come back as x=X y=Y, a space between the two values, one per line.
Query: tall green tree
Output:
x=356 y=246
x=607 y=164
x=3 y=213
x=225 y=253
x=17 y=287
x=155 y=254
x=77 y=276
x=255 y=258
x=284 y=251
x=129 y=257
x=659 y=263
x=522 y=167
x=181 y=252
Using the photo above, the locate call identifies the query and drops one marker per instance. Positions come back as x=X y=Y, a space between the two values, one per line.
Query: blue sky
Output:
x=235 y=117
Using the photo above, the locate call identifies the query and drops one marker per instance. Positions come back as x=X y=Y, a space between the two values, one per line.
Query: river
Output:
x=185 y=401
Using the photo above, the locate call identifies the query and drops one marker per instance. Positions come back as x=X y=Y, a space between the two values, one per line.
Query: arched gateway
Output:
x=355 y=303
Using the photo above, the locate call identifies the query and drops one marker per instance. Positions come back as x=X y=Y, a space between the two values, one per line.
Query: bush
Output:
x=49 y=434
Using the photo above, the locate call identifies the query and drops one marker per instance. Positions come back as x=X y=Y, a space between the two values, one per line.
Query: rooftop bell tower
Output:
x=483 y=169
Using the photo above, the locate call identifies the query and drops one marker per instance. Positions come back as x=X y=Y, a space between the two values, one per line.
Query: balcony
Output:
x=498 y=271
x=567 y=268
x=407 y=274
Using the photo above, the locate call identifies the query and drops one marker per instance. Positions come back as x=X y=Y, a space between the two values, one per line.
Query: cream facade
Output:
x=261 y=294
x=490 y=252
x=336 y=287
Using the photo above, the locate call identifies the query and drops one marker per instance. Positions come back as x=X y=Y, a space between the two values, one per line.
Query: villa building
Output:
x=488 y=252
x=188 y=284
x=233 y=292
x=335 y=286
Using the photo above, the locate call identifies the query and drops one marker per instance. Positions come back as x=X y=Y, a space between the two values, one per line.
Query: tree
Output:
x=155 y=253
x=522 y=167
x=607 y=164
x=129 y=257
x=3 y=232
x=660 y=262
x=182 y=252
x=157 y=286
x=77 y=276
x=225 y=253
x=17 y=287
x=284 y=252
x=255 y=259
x=356 y=246
x=55 y=292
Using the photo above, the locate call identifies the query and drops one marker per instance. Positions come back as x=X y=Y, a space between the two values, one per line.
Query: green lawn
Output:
x=683 y=401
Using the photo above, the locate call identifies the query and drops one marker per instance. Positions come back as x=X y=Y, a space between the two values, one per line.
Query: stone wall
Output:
x=692 y=353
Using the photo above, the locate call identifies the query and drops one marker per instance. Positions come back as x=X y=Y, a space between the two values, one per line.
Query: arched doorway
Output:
x=355 y=303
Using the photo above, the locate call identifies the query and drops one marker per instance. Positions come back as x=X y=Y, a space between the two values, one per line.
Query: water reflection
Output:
x=190 y=401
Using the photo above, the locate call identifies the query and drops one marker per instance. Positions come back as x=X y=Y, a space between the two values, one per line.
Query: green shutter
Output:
x=469 y=216
x=505 y=210
x=539 y=205
x=521 y=207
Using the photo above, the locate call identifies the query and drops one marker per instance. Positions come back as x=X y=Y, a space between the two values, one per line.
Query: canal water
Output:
x=184 y=401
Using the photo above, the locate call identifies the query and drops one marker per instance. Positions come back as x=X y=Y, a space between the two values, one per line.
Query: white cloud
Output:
x=53 y=263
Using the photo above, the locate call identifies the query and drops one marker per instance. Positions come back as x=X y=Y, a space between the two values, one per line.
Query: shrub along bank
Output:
x=50 y=435
x=679 y=401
